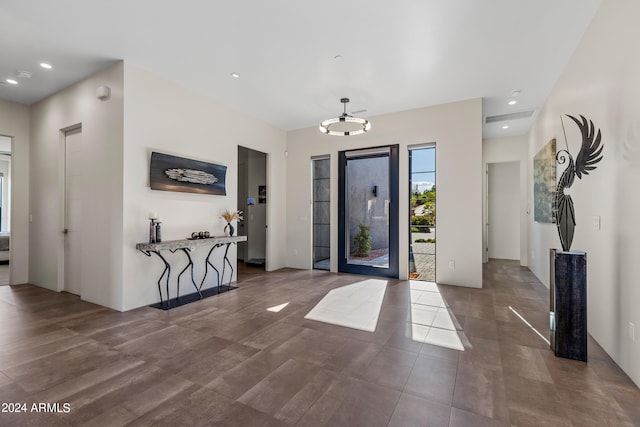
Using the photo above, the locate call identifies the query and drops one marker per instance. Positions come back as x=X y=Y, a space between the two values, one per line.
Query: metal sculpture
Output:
x=590 y=154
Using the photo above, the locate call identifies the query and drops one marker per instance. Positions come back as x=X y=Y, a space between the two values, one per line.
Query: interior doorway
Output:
x=73 y=204
x=6 y=145
x=368 y=211
x=503 y=210
x=253 y=199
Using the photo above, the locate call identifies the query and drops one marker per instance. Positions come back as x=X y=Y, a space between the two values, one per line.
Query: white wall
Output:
x=14 y=122
x=161 y=115
x=101 y=227
x=457 y=130
x=510 y=149
x=602 y=82
x=503 y=202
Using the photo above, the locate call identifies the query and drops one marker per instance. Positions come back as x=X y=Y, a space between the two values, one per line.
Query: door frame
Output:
x=394 y=213
x=268 y=208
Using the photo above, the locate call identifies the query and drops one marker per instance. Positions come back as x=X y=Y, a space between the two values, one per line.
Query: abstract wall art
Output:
x=172 y=173
x=544 y=183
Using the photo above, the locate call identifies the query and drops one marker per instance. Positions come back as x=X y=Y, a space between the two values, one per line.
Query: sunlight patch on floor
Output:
x=529 y=325
x=355 y=306
x=277 y=308
x=431 y=320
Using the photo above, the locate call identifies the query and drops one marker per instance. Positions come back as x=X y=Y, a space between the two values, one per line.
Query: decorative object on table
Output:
x=589 y=155
x=346 y=124
x=230 y=216
x=200 y=235
x=152 y=227
x=262 y=194
x=172 y=173
x=568 y=269
x=544 y=183
x=158 y=230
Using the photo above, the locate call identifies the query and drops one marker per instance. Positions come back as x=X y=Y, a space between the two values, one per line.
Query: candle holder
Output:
x=158 y=231
x=152 y=231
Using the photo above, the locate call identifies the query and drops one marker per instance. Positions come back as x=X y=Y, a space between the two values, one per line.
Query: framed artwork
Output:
x=262 y=194
x=544 y=183
x=172 y=173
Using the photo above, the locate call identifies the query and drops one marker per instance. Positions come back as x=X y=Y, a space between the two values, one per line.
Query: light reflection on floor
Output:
x=431 y=320
x=354 y=306
x=277 y=308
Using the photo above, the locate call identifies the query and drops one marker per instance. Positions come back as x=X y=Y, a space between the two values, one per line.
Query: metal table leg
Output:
x=206 y=268
x=226 y=261
x=167 y=269
x=190 y=264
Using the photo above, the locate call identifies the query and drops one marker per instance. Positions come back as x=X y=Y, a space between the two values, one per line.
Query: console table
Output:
x=186 y=245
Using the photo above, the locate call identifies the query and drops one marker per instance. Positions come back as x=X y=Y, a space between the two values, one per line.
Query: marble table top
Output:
x=173 y=245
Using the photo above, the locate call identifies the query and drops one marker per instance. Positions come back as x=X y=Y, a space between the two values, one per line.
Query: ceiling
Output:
x=393 y=55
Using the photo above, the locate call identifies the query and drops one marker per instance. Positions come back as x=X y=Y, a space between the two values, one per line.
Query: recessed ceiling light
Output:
x=505 y=127
x=45 y=65
x=516 y=92
x=513 y=102
x=11 y=81
x=235 y=75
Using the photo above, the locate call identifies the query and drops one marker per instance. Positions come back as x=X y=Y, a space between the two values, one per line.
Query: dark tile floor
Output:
x=228 y=361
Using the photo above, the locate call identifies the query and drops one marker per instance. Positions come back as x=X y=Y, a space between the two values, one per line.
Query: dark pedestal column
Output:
x=568 y=304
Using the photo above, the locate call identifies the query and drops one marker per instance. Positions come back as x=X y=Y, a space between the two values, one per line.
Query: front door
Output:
x=368 y=211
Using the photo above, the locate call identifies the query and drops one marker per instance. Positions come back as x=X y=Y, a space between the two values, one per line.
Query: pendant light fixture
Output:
x=345 y=125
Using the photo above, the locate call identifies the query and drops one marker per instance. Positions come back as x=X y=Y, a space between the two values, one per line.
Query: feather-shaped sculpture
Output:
x=590 y=154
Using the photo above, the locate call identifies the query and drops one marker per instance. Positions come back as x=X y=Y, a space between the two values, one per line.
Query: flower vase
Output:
x=229 y=230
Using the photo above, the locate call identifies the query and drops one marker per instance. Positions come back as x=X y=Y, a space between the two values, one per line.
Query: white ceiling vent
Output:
x=508 y=117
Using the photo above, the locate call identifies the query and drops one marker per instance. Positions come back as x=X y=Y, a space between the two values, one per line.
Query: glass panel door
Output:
x=368 y=213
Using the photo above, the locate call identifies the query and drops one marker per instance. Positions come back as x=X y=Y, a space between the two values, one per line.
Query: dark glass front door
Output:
x=368 y=211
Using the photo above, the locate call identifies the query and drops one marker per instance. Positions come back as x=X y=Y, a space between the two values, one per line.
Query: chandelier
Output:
x=345 y=125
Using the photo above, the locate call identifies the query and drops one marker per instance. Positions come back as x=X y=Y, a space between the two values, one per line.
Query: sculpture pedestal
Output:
x=568 y=304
